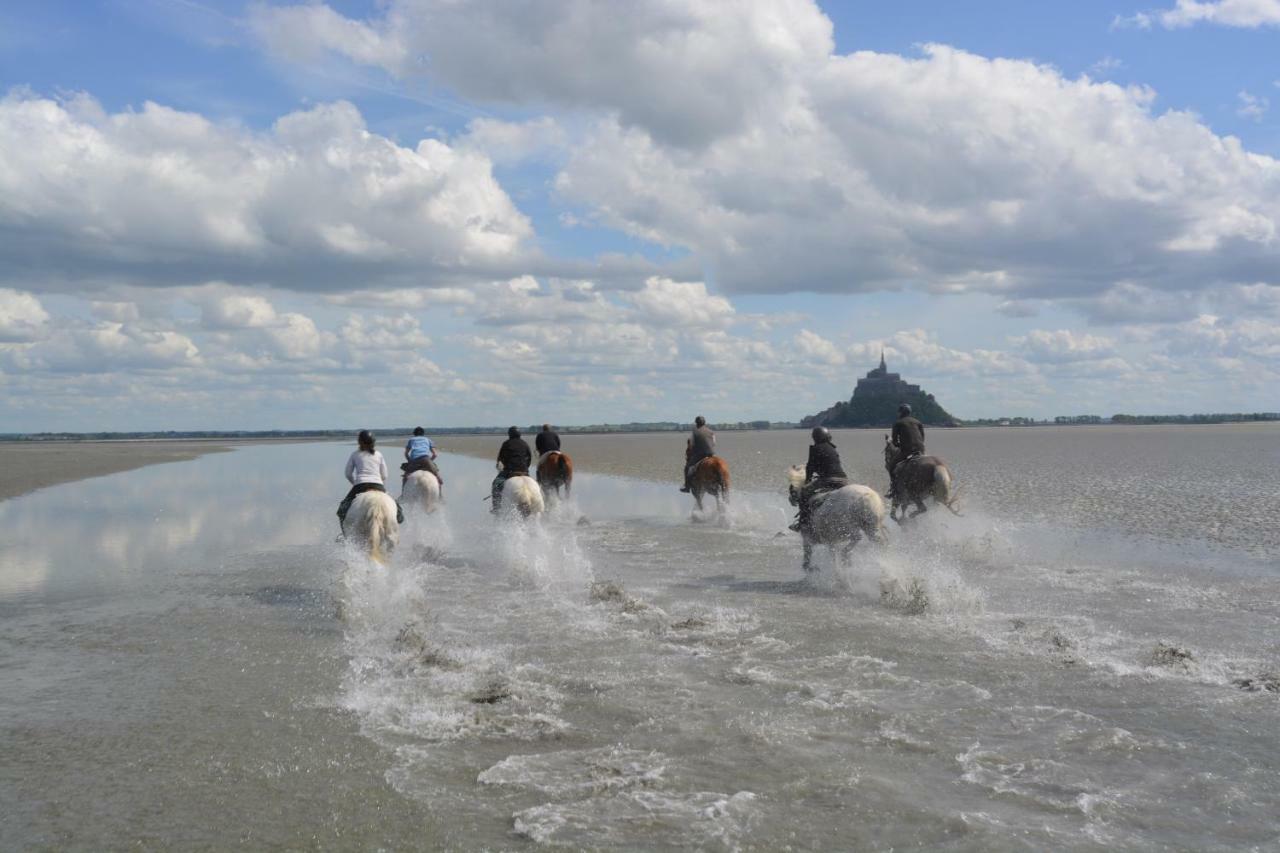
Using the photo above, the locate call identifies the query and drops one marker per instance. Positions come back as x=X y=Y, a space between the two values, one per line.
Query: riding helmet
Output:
x=904 y=410
x=366 y=437
x=513 y=432
x=821 y=434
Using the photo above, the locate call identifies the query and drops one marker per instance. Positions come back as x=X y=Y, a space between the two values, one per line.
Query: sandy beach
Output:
x=27 y=466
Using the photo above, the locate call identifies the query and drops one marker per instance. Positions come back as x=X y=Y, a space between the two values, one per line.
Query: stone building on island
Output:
x=875 y=403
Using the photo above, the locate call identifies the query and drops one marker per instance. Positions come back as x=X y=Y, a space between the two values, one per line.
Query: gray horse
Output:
x=844 y=516
x=919 y=477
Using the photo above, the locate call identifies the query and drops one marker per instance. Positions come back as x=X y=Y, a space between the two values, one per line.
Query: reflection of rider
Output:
x=822 y=473
x=908 y=438
x=421 y=453
x=702 y=443
x=547 y=440
x=367 y=472
x=513 y=461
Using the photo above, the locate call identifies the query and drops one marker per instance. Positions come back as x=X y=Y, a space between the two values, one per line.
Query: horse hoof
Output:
x=584 y=522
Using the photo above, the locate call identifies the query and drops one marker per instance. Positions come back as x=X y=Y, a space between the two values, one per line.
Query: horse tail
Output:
x=942 y=491
x=377 y=529
x=566 y=471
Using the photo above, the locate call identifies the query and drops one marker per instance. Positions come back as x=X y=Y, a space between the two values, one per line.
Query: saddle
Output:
x=818 y=497
x=898 y=465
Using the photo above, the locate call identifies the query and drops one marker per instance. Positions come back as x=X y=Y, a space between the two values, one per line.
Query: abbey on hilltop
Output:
x=875 y=403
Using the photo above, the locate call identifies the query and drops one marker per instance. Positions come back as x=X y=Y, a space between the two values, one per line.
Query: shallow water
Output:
x=190 y=660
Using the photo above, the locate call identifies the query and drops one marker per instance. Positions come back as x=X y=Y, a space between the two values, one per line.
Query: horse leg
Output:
x=808 y=555
x=920 y=508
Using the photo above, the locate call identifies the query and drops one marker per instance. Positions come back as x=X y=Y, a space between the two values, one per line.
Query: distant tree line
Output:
x=657 y=426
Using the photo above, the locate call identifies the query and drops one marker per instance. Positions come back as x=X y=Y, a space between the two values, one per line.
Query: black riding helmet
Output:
x=821 y=434
x=513 y=432
x=904 y=410
x=365 y=438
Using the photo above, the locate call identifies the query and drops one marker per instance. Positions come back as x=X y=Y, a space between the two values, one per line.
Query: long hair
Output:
x=366 y=441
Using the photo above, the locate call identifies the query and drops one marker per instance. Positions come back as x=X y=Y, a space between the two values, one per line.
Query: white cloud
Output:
x=379 y=333
x=1228 y=13
x=22 y=317
x=1063 y=345
x=680 y=303
x=813 y=171
x=237 y=311
x=688 y=72
x=166 y=195
x=511 y=142
x=817 y=348
x=1252 y=106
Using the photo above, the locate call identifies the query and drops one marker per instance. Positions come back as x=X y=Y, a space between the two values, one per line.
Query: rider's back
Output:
x=908 y=435
x=365 y=467
x=824 y=463
x=703 y=443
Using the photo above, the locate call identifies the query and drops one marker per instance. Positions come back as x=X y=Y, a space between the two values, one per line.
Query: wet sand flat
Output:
x=27 y=466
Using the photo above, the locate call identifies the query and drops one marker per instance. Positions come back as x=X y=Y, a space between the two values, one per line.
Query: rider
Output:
x=702 y=443
x=908 y=438
x=547 y=440
x=513 y=461
x=367 y=472
x=420 y=452
x=822 y=473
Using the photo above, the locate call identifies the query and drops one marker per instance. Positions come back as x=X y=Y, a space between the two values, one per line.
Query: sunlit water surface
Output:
x=189 y=659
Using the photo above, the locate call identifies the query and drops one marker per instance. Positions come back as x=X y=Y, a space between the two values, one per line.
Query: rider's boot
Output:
x=685 y=487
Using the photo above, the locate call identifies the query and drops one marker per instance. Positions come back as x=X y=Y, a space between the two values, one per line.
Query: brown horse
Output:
x=711 y=477
x=918 y=478
x=555 y=470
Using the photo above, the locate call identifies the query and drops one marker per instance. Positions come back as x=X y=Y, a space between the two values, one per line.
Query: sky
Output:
x=282 y=215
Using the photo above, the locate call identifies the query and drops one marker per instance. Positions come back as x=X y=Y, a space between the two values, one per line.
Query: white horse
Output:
x=523 y=495
x=421 y=489
x=841 y=519
x=371 y=521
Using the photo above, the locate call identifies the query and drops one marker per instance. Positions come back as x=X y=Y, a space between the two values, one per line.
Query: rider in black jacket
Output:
x=822 y=473
x=908 y=437
x=547 y=440
x=513 y=461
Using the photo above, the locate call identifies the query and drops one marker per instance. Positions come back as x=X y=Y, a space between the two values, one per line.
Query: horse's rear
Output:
x=555 y=471
x=522 y=495
x=372 y=521
x=422 y=490
x=711 y=477
x=925 y=477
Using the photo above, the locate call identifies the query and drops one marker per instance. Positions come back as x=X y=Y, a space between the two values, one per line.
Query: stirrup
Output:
x=794 y=527
x=684 y=489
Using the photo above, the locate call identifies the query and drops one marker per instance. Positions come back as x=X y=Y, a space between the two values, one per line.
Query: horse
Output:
x=710 y=477
x=421 y=489
x=841 y=519
x=918 y=478
x=555 y=470
x=522 y=494
x=371 y=521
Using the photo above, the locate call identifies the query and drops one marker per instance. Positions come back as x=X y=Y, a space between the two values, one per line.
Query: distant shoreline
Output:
x=285 y=436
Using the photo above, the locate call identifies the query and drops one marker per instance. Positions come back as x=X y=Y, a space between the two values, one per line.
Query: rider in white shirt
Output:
x=366 y=471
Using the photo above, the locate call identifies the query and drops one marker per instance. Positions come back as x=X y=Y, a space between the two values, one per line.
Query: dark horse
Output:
x=918 y=478
x=711 y=477
x=555 y=471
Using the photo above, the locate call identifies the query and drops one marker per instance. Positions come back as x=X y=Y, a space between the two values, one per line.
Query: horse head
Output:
x=795 y=482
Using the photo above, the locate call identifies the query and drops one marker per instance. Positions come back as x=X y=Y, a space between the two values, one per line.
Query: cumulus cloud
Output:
x=22 y=317
x=681 y=303
x=1063 y=345
x=167 y=195
x=686 y=71
x=815 y=171
x=1249 y=14
x=1251 y=106
x=511 y=142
